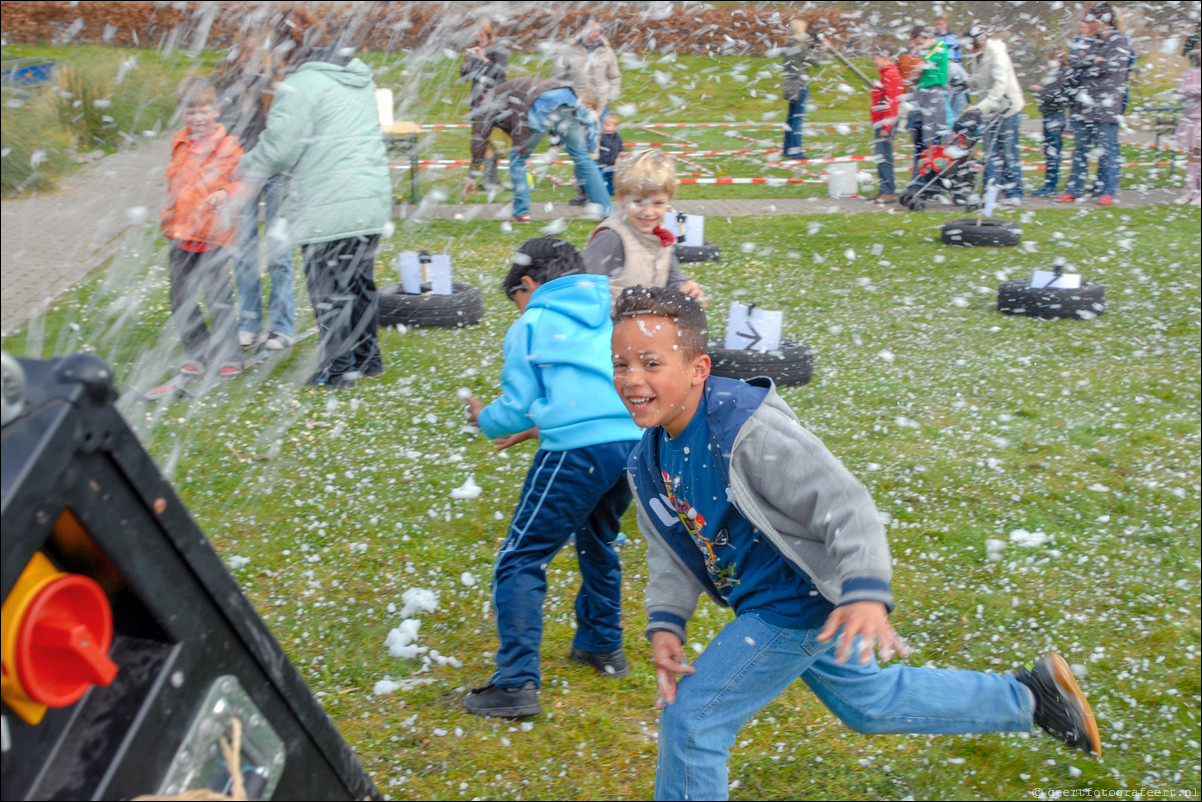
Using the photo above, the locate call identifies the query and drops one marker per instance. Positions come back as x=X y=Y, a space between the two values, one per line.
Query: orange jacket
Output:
x=191 y=178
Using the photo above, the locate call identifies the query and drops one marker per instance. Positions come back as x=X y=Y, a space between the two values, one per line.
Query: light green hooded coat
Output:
x=323 y=131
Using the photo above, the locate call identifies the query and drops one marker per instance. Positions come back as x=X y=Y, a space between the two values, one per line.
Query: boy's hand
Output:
x=869 y=621
x=218 y=199
x=474 y=405
x=667 y=654
x=513 y=439
x=469 y=190
x=693 y=290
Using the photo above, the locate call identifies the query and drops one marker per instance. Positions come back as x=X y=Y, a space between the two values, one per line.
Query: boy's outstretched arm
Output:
x=667 y=654
x=870 y=621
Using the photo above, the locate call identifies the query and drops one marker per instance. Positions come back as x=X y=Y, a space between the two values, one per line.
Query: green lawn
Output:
x=965 y=424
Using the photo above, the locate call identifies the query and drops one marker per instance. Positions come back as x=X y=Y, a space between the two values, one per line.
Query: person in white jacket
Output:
x=1000 y=101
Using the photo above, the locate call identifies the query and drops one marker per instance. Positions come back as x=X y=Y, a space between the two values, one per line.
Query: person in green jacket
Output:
x=929 y=97
x=323 y=131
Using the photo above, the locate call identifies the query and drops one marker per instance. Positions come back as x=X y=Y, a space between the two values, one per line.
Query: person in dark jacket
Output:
x=609 y=149
x=527 y=109
x=1102 y=68
x=485 y=64
x=1054 y=94
x=798 y=58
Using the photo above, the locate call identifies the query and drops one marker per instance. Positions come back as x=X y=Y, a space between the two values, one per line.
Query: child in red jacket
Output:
x=886 y=95
x=200 y=182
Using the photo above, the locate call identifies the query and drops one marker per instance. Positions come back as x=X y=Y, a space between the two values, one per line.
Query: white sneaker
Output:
x=278 y=342
x=1015 y=201
x=246 y=339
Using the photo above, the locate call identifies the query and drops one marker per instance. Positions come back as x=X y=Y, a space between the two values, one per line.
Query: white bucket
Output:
x=841 y=179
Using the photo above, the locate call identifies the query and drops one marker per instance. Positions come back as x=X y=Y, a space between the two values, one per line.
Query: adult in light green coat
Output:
x=323 y=132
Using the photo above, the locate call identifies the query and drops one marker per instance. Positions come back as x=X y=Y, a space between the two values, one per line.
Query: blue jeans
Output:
x=957 y=99
x=1000 y=149
x=1087 y=136
x=1054 y=124
x=751 y=662
x=582 y=491
x=281 y=306
x=562 y=123
x=882 y=148
x=794 y=120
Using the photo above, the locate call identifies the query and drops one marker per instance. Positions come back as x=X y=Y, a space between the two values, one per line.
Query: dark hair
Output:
x=542 y=259
x=692 y=330
x=920 y=30
x=1102 y=12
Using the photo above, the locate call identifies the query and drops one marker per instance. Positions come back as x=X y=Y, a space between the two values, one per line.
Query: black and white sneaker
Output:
x=497 y=702
x=611 y=664
x=1060 y=705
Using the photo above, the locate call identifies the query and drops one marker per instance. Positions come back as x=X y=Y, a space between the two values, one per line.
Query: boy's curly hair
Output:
x=692 y=329
x=543 y=259
x=644 y=172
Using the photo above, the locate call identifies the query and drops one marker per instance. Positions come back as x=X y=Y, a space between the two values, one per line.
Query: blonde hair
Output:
x=644 y=172
x=195 y=91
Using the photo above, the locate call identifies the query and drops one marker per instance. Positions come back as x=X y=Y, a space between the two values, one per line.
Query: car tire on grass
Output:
x=709 y=252
x=463 y=307
x=995 y=233
x=1020 y=298
x=791 y=364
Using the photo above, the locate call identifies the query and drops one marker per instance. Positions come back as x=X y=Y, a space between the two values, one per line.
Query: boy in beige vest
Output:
x=631 y=246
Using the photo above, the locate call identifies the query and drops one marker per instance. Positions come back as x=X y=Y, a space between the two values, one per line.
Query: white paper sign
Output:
x=1047 y=278
x=751 y=328
x=991 y=199
x=411 y=272
x=694 y=229
x=440 y=274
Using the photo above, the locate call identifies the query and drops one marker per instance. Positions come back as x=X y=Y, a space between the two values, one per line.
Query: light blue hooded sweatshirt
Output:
x=558 y=372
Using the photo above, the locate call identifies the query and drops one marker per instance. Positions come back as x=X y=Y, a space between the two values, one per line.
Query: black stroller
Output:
x=949 y=169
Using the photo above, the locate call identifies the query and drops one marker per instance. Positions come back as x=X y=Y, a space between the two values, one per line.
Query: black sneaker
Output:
x=1060 y=706
x=611 y=664
x=503 y=702
x=580 y=200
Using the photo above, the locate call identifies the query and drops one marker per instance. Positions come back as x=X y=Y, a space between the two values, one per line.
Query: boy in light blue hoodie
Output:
x=557 y=384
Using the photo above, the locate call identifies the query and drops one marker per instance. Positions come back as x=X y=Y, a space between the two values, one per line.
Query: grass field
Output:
x=1076 y=443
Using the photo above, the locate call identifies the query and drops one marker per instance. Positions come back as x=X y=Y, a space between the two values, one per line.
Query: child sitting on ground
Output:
x=557 y=378
x=631 y=246
x=200 y=182
x=738 y=501
x=609 y=149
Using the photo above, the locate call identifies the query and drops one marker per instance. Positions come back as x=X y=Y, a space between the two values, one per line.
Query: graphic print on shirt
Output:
x=725 y=576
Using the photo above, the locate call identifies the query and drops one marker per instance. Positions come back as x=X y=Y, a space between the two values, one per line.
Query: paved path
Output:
x=53 y=241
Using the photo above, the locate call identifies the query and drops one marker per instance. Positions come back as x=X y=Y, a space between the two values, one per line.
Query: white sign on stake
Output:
x=440 y=274
x=694 y=229
x=751 y=328
x=1048 y=279
x=411 y=272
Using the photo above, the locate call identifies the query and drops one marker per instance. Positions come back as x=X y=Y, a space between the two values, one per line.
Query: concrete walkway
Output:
x=52 y=242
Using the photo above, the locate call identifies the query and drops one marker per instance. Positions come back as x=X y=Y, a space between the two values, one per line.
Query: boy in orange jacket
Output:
x=200 y=182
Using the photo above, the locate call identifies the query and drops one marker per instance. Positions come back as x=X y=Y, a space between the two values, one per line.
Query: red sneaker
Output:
x=523 y=218
x=1106 y=200
x=1066 y=198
